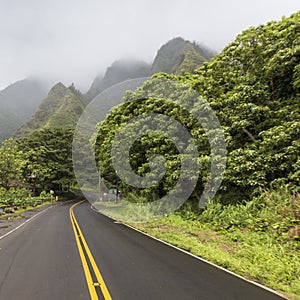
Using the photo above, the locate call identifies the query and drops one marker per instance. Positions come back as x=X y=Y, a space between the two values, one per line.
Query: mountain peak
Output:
x=119 y=71
x=59 y=89
x=178 y=56
x=60 y=109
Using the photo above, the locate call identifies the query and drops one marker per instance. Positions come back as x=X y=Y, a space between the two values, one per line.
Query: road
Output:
x=42 y=260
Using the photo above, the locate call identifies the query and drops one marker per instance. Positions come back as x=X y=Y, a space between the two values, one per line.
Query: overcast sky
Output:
x=73 y=40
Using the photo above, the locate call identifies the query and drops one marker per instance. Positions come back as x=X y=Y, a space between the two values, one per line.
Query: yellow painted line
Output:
x=87 y=273
x=80 y=237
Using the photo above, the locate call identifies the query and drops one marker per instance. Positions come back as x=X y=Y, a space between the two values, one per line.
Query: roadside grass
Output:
x=16 y=214
x=258 y=239
x=106 y=204
x=125 y=211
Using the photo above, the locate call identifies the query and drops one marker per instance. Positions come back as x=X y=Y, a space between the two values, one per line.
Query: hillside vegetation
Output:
x=60 y=109
x=253 y=87
x=178 y=56
x=252 y=226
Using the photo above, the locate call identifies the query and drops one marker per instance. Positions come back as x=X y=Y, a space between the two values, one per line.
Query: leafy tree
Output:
x=10 y=164
x=48 y=156
x=151 y=144
x=253 y=87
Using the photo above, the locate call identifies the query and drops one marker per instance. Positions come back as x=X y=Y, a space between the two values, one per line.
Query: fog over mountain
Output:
x=61 y=108
x=72 y=41
x=119 y=71
x=18 y=102
x=24 y=107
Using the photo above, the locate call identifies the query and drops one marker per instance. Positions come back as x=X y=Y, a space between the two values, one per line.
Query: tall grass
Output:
x=275 y=212
x=258 y=239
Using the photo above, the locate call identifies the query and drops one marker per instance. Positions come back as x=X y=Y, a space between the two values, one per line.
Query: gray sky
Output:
x=73 y=40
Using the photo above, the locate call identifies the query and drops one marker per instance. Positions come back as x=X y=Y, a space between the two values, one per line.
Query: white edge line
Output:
x=195 y=256
x=25 y=222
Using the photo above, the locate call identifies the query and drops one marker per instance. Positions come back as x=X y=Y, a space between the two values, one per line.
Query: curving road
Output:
x=41 y=260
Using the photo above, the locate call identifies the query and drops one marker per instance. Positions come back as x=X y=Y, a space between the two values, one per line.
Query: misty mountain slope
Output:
x=18 y=102
x=178 y=56
x=60 y=109
x=63 y=106
x=119 y=71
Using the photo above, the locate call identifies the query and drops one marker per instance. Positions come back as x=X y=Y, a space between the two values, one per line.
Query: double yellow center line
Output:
x=85 y=256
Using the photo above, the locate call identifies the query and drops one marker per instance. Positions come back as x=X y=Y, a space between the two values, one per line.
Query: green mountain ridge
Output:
x=62 y=106
x=60 y=109
x=119 y=71
x=178 y=56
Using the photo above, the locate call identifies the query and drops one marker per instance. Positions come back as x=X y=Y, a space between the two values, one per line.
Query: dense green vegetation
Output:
x=40 y=162
x=47 y=157
x=19 y=199
x=253 y=87
x=144 y=147
x=10 y=164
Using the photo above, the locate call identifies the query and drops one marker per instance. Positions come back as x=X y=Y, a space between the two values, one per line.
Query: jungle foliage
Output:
x=253 y=87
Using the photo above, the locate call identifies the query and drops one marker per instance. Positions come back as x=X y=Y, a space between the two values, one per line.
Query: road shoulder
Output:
x=11 y=223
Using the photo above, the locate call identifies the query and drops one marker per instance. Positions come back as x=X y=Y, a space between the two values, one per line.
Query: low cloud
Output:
x=73 y=41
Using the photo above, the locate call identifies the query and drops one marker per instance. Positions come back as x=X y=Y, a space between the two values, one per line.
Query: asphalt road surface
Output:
x=42 y=260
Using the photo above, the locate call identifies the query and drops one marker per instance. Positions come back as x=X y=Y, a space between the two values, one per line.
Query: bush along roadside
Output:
x=259 y=239
x=18 y=199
